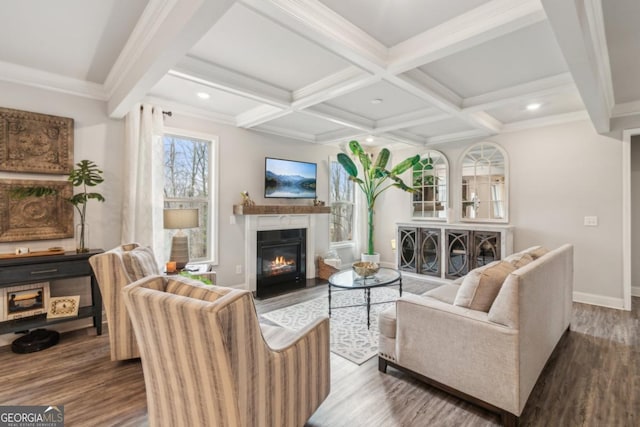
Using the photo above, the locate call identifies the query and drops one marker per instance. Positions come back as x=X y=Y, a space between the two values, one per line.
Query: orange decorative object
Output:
x=171 y=267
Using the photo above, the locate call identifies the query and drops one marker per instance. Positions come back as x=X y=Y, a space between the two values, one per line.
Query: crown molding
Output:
x=626 y=109
x=50 y=81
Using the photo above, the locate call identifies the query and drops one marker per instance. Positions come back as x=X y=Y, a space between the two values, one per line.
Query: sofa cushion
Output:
x=519 y=259
x=481 y=285
x=536 y=251
x=504 y=309
x=140 y=262
x=445 y=293
x=387 y=322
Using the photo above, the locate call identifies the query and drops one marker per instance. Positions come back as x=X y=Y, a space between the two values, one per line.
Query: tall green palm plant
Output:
x=376 y=178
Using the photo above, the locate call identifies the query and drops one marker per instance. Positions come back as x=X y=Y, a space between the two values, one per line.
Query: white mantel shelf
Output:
x=280 y=210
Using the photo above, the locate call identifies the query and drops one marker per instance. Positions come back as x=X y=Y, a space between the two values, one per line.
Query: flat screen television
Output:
x=289 y=179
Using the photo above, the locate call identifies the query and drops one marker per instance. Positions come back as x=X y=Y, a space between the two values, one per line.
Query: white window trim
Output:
x=213 y=186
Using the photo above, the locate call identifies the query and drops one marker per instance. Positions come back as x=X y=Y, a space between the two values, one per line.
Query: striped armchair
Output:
x=207 y=361
x=114 y=270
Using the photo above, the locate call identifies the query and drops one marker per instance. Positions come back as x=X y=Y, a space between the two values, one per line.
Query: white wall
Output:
x=96 y=138
x=242 y=155
x=558 y=175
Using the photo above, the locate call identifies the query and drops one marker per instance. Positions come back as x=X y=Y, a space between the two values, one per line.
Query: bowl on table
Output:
x=365 y=268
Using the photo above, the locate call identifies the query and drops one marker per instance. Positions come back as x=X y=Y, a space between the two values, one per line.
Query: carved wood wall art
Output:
x=35 y=218
x=33 y=142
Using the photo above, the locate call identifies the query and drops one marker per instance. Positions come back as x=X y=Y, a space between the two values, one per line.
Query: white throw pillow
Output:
x=481 y=285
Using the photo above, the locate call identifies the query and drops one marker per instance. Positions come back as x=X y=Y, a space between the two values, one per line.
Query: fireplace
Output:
x=280 y=261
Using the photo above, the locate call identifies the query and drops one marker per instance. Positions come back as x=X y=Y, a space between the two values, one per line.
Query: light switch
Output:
x=591 y=221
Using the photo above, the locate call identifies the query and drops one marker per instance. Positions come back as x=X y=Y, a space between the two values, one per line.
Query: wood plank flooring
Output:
x=593 y=379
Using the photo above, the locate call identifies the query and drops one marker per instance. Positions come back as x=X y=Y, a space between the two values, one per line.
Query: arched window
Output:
x=484 y=181
x=431 y=182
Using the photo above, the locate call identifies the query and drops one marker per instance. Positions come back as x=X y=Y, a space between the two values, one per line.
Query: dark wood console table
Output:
x=33 y=269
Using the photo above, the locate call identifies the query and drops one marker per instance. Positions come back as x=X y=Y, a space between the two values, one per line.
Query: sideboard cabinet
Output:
x=449 y=251
x=27 y=270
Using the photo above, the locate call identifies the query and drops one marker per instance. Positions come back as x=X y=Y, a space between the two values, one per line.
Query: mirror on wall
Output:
x=484 y=183
x=431 y=179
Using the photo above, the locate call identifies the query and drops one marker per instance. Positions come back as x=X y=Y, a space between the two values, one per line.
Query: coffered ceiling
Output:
x=414 y=72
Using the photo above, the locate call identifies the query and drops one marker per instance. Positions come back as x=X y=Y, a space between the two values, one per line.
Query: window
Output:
x=342 y=201
x=190 y=165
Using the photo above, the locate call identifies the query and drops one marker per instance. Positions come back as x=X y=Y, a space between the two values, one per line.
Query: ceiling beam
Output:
x=164 y=34
x=486 y=22
x=337 y=84
x=312 y=20
x=259 y=115
x=570 y=23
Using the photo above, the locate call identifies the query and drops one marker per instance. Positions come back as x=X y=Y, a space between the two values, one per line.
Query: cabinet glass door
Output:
x=458 y=253
x=407 y=252
x=429 y=252
x=486 y=245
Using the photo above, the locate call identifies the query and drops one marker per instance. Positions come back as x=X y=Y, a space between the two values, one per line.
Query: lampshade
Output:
x=180 y=218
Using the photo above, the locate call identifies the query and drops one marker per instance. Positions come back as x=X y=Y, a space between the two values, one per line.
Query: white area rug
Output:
x=349 y=335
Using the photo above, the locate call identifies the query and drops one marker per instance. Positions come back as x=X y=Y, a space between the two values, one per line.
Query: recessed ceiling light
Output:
x=376 y=101
x=203 y=95
x=533 y=106
x=369 y=139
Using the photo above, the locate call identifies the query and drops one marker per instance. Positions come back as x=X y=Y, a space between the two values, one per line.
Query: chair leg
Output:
x=382 y=365
x=508 y=419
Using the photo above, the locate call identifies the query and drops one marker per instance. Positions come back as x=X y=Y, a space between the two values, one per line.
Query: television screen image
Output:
x=289 y=179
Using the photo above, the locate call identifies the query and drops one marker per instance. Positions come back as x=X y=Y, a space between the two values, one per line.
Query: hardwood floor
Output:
x=593 y=379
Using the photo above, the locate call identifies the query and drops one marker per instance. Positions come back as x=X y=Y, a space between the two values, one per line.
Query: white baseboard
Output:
x=635 y=291
x=600 y=300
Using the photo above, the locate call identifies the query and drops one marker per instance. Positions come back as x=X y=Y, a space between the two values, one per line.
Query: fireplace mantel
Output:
x=277 y=221
x=280 y=210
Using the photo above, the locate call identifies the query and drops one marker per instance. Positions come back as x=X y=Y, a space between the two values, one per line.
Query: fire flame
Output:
x=280 y=261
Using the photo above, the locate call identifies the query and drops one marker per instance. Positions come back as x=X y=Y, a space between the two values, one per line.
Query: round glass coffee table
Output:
x=349 y=280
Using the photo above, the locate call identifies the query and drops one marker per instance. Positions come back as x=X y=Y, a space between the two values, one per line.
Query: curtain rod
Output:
x=165 y=113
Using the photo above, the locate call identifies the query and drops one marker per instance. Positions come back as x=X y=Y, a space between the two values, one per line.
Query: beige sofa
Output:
x=483 y=338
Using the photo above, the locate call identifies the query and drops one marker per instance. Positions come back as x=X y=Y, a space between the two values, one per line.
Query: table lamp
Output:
x=180 y=219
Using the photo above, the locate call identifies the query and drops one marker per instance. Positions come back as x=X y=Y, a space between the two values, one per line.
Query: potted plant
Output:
x=376 y=179
x=85 y=174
